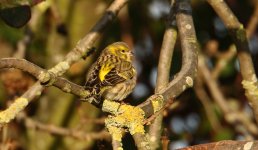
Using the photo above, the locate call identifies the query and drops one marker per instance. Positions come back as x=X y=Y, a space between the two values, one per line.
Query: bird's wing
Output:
x=112 y=74
x=109 y=74
x=103 y=74
x=92 y=76
x=126 y=70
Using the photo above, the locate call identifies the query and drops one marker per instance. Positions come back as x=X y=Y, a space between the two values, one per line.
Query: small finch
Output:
x=112 y=76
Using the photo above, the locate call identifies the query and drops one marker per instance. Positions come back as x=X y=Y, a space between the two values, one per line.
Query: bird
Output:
x=112 y=76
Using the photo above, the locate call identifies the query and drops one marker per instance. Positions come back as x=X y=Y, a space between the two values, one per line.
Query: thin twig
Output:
x=206 y=102
x=165 y=140
x=252 y=24
x=232 y=116
x=223 y=60
x=55 y=130
x=23 y=43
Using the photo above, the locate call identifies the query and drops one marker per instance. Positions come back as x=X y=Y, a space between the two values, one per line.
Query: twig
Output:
x=23 y=43
x=252 y=24
x=165 y=140
x=55 y=130
x=206 y=102
x=223 y=60
x=232 y=116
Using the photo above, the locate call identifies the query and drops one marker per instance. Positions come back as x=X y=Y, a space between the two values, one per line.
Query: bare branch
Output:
x=55 y=130
x=252 y=24
x=232 y=116
x=165 y=59
x=184 y=79
x=207 y=104
x=238 y=34
x=227 y=144
x=36 y=71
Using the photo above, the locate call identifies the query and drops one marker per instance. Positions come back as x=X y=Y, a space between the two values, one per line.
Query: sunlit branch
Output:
x=165 y=59
x=185 y=78
x=227 y=144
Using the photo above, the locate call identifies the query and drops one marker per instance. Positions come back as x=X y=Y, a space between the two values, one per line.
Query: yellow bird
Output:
x=112 y=76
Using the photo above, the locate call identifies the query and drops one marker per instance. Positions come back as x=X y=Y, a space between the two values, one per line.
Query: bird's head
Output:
x=121 y=50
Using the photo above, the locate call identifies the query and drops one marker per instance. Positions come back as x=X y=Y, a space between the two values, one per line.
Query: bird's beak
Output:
x=131 y=53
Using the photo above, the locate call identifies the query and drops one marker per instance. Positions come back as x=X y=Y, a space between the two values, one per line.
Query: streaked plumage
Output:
x=112 y=76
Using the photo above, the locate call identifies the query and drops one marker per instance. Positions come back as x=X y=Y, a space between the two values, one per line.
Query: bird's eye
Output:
x=123 y=51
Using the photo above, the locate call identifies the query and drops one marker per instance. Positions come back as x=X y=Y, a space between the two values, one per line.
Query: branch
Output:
x=252 y=24
x=204 y=98
x=227 y=144
x=55 y=130
x=117 y=145
x=238 y=34
x=189 y=45
x=142 y=141
x=122 y=117
x=231 y=52
x=232 y=116
x=159 y=112
x=184 y=79
x=36 y=71
x=165 y=59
